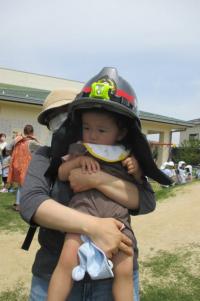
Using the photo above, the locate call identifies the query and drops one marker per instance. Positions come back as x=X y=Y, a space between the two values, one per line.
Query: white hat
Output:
x=180 y=163
x=55 y=100
x=170 y=163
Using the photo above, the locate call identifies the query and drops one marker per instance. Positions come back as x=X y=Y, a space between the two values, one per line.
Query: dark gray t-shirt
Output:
x=37 y=188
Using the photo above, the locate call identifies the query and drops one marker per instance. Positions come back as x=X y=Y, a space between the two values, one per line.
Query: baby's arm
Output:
x=86 y=163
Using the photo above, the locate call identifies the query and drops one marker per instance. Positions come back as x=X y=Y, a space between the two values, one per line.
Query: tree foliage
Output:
x=188 y=151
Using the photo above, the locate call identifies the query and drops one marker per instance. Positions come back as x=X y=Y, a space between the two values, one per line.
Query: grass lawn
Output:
x=162 y=193
x=172 y=276
x=10 y=220
x=17 y=294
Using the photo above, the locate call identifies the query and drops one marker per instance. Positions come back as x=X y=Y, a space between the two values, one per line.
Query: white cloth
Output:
x=182 y=176
x=93 y=261
x=107 y=153
x=5 y=166
x=169 y=172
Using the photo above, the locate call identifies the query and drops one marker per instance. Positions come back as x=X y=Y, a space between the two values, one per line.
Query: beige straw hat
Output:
x=55 y=99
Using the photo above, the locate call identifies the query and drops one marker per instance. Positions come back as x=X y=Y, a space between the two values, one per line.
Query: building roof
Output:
x=36 y=96
x=22 y=94
x=164 y=119
x=195 y=121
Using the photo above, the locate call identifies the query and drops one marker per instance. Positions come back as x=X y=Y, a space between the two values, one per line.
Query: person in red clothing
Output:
x=23 y=148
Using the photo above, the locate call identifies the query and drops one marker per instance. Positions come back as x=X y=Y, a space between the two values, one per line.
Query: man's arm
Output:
x=139 y=198
x=123 y=192
x=37 y=207
x=105 y=233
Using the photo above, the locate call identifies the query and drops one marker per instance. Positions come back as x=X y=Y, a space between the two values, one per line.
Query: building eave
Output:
x=164 y=119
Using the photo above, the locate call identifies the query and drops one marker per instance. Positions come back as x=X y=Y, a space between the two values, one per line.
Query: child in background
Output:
x=181 y=172
x=5 y=168
x=3 y=144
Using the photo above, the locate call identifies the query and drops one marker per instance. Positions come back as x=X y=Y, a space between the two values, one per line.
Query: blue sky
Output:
x=154 y=44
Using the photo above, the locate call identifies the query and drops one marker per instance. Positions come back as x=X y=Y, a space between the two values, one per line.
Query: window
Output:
x=193 y=136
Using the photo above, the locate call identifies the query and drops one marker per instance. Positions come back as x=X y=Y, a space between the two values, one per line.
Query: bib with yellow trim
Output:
x=107 y=153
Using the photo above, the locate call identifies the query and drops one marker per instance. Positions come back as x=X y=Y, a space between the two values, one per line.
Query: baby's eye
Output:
x=102 y=131
x=85 y=128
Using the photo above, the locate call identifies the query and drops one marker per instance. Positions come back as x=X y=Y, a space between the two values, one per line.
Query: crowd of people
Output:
x=181 y=172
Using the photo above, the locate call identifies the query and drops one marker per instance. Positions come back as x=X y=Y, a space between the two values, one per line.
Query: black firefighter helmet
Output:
x=111 y=92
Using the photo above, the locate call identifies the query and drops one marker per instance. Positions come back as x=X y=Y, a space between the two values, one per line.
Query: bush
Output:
x=189 y=151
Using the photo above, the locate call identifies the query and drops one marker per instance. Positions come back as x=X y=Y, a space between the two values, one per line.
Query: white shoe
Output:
x=4 y=190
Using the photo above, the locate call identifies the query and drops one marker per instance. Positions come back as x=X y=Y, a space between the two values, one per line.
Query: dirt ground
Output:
x=175 y=223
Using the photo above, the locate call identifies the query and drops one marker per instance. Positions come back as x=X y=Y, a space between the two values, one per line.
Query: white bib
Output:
x=107 y=153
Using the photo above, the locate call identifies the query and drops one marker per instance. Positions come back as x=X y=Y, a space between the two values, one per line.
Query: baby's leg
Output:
x=123 y=277
x=61 y=281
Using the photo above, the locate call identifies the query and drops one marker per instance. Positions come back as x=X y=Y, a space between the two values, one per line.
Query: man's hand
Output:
x=107 y=236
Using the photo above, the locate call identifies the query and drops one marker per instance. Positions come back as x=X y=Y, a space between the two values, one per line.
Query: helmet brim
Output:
x=112 y=106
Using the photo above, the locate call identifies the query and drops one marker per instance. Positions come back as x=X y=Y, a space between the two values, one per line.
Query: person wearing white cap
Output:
x=181 y=172
x=38 y=207
x=168 y=169
x=188 y=171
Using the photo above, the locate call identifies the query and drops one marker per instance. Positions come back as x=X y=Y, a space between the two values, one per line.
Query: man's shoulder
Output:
x=33 y=145
x=43 y=151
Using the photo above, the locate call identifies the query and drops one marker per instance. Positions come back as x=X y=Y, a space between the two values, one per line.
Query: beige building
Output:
x=192 y=132
x=22 y=95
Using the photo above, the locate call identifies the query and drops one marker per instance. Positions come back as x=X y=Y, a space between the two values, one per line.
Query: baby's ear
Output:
x=122 y=134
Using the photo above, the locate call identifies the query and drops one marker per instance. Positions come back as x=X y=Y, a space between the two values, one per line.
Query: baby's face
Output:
x=99 y=128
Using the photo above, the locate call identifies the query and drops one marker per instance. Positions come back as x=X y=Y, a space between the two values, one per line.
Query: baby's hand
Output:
x=88 y=164
x=133 y=167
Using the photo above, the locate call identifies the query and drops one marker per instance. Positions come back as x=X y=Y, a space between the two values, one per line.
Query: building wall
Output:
x=190 y=131
x=37 y=81
x=14 y=116
x=164 y=132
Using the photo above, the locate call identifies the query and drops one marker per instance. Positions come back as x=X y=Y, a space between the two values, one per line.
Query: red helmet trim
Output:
x=128 y=97
x=87 y=89
x=121 y=93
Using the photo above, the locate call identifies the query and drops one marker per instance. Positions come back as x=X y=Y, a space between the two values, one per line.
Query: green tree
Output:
x=188 y=151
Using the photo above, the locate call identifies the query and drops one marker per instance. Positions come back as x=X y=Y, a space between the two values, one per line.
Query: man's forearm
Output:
x=106 y=235
x=51 y=214
x=123 y=192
